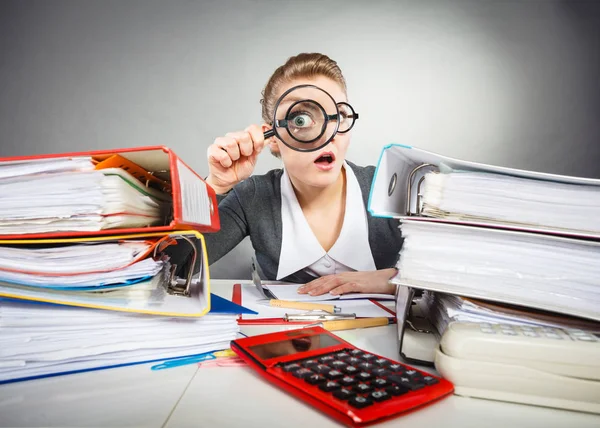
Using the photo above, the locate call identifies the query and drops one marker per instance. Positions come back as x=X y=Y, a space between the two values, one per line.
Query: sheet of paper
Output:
x=252 y=299
x=290 y=292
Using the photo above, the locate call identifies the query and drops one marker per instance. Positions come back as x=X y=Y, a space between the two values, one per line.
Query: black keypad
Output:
x=358 y=378
x=321 y=369
x=350 y=369
x=379 y=396
x=344 y=394
x=330 y=385
x=338 y=364
x=348 y=381
x=310 y=363
x=362 y=388
x=303 y=373
x=359 y=402
x=315 y=379
x=326 y=359
x=407 y=382
x=334 y=374
x=291 y=367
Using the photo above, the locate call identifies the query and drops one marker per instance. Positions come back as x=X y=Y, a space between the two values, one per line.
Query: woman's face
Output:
x=313 y=168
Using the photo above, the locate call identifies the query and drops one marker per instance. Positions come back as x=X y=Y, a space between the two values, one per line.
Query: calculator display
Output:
x=296 y=345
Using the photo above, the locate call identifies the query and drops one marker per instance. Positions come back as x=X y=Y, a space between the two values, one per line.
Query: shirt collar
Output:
x=299 y=245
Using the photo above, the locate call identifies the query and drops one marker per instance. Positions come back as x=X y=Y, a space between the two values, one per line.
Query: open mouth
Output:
x=325 y=158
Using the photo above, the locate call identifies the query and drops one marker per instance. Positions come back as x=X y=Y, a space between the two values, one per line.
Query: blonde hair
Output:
x=304 y=65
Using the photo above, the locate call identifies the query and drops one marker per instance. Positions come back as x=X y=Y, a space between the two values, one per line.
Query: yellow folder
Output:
x=181 y=289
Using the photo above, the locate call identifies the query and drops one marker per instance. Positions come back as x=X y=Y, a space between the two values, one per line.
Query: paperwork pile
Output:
x=500 y=234
x=38 y=340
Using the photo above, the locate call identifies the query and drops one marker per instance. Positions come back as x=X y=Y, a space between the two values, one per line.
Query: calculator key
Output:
x=344 y=394
x=550 y=335
x=383 y=362
x=396 y=390
x=303 y=373
x=351 y=369
x=330 y=385
x=430 y=380
x=530 y=333
x=586 y=338
x=367 y=366
x=337 y=364
x=315 y=379
x=326 y=359
x=360 y=402
x=348 y=381
x=364 y=376
x=321 y=368
x=413 y=374
x=412 y=384
x=342 y=355
x=368 y=357
x=362 y=388
x=334 y=374
x=381 y=372
x=380 y=383
x=380 y=395
x=310 y=363
x=354 y=361
x=397 y=368
x=291 y=367
x=355 y=352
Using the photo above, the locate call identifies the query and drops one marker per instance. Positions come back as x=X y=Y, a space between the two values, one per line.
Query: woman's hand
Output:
x=352 y=282
x=232 y=158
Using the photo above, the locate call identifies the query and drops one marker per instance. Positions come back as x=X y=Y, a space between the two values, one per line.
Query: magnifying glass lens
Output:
x=306 y=118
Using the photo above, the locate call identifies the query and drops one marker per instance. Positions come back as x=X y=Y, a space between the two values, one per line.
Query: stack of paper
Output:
x=540 y=271
x=39 y=339
x=54 y=195
x=445 y=308
x=505 y=199
x=490 y=232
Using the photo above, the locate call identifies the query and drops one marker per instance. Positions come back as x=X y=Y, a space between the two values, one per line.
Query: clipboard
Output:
x=395 y=192
x=237 y=299
x=194 y=203
x=186 y=284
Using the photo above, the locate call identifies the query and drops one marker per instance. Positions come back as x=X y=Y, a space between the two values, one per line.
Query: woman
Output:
x=307 y=222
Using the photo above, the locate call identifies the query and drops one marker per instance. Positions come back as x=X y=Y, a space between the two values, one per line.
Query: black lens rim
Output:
x=354 y=116
x=298 y=149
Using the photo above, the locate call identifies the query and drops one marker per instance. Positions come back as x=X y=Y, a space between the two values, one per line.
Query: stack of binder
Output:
x=493 y=233
x=103 y=262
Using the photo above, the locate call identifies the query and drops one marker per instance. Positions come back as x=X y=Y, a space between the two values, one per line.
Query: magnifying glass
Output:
x=306 y=118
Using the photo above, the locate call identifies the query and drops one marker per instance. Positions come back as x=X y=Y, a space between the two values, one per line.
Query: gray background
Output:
x=513 y=83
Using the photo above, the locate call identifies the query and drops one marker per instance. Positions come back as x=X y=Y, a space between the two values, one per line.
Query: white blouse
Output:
x=300 y=248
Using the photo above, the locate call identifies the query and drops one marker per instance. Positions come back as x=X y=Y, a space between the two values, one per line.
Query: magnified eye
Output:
x=302 y=120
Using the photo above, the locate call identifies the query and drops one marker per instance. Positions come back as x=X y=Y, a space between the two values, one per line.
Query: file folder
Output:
x=395 y=191
x=194 y=203
x=186 y=284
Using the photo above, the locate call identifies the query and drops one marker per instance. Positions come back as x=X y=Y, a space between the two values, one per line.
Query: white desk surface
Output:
x=233 y=397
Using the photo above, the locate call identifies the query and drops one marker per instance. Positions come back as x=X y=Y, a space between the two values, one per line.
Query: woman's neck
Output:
x=311 y=196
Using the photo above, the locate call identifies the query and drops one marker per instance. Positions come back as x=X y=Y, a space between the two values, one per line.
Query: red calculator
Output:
x=351 y=385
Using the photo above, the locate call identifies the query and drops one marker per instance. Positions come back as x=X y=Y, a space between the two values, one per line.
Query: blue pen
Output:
x=184 y=361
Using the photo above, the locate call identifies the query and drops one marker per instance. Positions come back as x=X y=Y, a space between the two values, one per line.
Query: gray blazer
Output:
x=253 y=207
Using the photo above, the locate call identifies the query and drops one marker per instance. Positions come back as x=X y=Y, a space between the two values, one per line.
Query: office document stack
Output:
x=498 y=234
x=103 y=263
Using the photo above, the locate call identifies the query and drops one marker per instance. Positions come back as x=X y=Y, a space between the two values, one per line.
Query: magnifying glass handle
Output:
x=268 y=134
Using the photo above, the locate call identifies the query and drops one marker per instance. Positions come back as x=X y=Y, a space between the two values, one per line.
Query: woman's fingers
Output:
x=321 y=285
x=257 y=136
x=216 y=154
